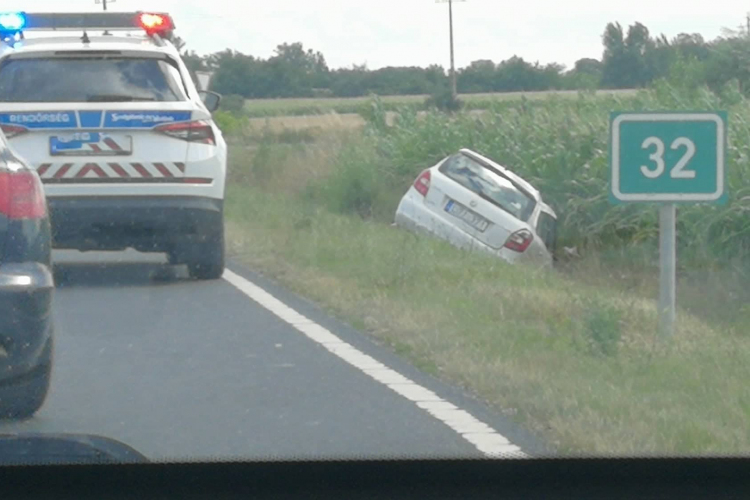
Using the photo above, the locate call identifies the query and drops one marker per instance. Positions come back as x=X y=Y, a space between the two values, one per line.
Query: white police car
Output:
x=121 y=137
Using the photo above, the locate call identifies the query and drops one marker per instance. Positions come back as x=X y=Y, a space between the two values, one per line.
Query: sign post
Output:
x=668 y=159
x=204 y=79
x=667 y=269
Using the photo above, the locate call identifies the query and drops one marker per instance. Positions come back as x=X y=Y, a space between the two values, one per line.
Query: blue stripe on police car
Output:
x=143 y=119
x=41 y=119
x=90 y=119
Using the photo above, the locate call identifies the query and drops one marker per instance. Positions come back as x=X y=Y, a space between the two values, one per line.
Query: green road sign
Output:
x=668 y=157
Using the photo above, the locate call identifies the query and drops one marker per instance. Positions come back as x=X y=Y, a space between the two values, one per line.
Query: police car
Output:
x=107 y=113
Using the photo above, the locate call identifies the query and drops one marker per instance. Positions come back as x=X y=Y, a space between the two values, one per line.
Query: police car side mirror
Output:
x=210 y=99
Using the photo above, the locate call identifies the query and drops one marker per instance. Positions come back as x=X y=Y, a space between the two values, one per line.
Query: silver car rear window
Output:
x=489 y=185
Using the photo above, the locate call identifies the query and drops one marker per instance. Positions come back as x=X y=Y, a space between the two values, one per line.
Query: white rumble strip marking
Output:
x=486 y=439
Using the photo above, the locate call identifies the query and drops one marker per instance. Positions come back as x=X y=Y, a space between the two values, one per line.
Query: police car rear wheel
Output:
x=207 y=262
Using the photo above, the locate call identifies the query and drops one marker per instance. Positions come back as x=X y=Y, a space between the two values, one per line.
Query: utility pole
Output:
x=453 y=60
x=104 y=3
x=454 y=88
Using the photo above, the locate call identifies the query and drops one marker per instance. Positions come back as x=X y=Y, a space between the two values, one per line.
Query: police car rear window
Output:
x=89 y=80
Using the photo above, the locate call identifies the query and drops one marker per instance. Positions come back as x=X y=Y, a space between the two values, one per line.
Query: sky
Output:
x=415 y=32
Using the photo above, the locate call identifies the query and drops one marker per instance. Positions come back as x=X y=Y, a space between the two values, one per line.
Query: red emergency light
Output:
x=154 y=24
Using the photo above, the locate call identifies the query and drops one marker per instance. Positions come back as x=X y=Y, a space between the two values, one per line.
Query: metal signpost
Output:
x=204 y=79
x=667 y=159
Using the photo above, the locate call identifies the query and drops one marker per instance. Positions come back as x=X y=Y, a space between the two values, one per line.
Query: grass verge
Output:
x=575 y=362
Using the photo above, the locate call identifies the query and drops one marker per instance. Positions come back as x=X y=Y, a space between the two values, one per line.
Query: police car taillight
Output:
x=196 y=131
x=12 y=130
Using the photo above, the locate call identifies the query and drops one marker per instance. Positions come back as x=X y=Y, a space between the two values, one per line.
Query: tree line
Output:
x=632 y=58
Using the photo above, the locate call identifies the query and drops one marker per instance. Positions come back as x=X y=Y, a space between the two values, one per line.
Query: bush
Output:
x=322 y=93
x=602 y=325
x=731 y=93
x=266 y=160
x=233 y=103
x=357 y=184
x=374 y=112
x=443 y=100
x=227 y=122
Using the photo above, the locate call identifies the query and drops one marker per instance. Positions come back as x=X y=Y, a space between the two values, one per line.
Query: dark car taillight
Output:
x=196 y=131
x=519 y=241
x=12 y=130
x=22 y=195
x=422 y=184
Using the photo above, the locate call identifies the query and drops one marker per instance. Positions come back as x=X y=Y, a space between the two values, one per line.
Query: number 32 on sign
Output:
x=666 y=159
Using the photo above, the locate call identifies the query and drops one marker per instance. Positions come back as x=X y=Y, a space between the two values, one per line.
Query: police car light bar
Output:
x=152 y=23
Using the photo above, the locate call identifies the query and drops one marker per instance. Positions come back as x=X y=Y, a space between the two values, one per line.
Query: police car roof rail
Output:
x=159 y=41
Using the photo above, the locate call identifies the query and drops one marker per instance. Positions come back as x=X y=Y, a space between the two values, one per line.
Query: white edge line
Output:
x=483 y=437
x=668 y=117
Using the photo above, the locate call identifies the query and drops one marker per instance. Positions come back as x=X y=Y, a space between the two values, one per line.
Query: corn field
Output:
x=560 y=145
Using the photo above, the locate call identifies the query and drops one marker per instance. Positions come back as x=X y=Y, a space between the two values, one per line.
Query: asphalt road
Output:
x=185 y=370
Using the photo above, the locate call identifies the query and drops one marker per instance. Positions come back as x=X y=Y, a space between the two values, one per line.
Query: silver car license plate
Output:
x=471 y=218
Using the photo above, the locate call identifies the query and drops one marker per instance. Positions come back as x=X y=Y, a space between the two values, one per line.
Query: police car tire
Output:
x=21 y=400
x=207 y=262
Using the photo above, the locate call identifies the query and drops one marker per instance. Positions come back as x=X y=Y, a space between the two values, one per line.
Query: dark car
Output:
x=26 y=288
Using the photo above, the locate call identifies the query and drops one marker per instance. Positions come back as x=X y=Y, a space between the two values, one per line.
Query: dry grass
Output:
x=501 y=96
x=325 y=122
x=345 y=105
x=320 y=115
x=317 y=126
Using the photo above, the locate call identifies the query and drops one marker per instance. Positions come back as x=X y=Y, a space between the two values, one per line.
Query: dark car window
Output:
x=546 y=228
x=488 y=184
x=89 y=80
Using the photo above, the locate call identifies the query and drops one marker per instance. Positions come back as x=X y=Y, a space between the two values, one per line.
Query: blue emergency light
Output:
x=12 y=22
